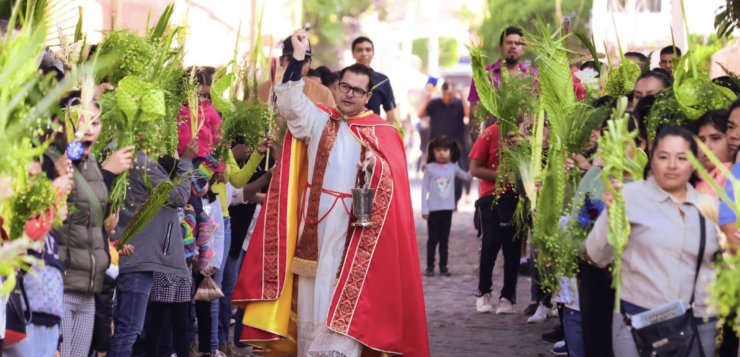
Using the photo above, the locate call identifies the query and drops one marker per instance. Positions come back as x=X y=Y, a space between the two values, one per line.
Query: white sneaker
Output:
x=559 y=344
x=504 y=307
x=540 y=315
x=483 y=303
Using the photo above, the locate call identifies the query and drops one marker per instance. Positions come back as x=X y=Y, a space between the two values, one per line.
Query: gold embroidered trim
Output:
x=307 y=248
x=304 y=267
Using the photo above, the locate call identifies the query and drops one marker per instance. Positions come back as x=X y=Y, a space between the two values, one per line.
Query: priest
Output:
x=312 y=283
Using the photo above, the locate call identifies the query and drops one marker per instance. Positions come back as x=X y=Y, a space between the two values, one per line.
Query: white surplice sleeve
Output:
x=299 y=112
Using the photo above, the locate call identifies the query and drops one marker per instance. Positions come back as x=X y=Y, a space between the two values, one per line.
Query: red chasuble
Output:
x=378 y=299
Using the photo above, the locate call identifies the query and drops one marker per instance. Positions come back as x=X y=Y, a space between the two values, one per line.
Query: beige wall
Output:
x=728 y=57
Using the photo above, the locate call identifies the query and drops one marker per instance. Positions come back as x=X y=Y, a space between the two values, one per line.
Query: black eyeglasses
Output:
x=356 y=92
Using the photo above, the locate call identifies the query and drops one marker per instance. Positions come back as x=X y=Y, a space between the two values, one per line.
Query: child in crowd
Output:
x=169 y=301
x=44 y=287
x=438 y=197
x=207 y=138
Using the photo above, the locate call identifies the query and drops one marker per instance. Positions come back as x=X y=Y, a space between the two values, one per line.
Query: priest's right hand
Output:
x=300 y=44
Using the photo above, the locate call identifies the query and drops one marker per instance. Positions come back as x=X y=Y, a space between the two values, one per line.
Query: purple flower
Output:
x=75 y=150
x=590 y=211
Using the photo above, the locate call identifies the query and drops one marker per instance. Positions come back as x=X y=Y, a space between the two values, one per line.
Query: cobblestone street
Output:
x=455 y=327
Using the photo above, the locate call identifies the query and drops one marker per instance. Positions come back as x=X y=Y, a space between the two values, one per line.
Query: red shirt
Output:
x=486 y=149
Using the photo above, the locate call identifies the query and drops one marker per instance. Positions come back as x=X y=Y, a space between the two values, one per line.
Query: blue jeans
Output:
x=218 y=277
x=132 y=296
x=231 y=273
x=573 y=333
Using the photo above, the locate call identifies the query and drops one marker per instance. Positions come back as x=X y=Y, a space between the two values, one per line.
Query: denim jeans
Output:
x=218 y=277
x=573 y=333
x=231 y=273
x=132 y=297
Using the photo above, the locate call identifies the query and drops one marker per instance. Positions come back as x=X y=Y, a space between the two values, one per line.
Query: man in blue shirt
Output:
x=728 y=224
x=363 y=51
x=727 y=217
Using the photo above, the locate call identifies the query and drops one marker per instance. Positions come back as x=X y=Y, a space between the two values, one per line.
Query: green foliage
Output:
x=26 y=104
x=13 y=256
x=132 y=54
x=725 y=291
x=558 y=100
x=515 y=95
x=447 y=51
x=583 y=120
x=32 y=197
x=695 y=93
x=588 y=42
x=614 y=145
x=145 y=213
x=727 y=18
x=691 y=95
x=27 y=100
x=501 y=14
x=328 y=30
x=29 y=11
x=724 y=287
x=665 y=112
x=144 y=111
x=248 y=118
x=556 y=83
x=622 y=78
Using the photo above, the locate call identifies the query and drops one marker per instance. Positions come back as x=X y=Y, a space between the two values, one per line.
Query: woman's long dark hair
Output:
x=444 y=142
x=659 y=75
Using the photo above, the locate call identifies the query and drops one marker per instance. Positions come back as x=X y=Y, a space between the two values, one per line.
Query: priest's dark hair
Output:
x=444 y=142
x=360 y=40
x=360 y=69
x=512 y=30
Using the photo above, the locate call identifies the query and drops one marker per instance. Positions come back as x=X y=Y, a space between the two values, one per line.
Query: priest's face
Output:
x=352 y=93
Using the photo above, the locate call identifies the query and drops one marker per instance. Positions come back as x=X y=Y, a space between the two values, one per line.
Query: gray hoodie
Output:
x=159 y=246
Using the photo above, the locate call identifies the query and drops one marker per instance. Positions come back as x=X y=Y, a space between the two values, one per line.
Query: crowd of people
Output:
x=671 y=249
x=169 y=290
x=266 y=237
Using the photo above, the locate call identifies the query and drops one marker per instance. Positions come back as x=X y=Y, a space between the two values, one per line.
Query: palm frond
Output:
x=555 y=81
x=588 y=42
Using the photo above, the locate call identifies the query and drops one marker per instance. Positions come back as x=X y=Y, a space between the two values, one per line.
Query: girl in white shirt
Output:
x=438 y=197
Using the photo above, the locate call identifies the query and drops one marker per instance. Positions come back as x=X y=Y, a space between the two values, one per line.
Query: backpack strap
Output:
x=700 y=257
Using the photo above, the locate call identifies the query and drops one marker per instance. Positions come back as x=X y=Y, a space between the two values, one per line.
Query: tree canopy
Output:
x=500 y=14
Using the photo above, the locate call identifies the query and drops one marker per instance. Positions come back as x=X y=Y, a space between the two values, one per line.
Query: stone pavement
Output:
x=455 y=327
